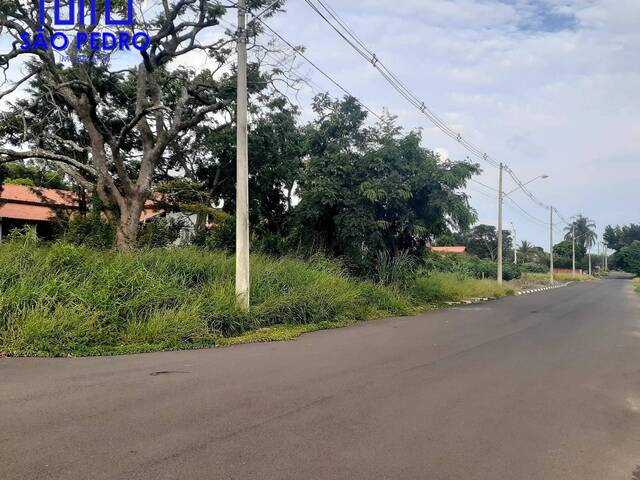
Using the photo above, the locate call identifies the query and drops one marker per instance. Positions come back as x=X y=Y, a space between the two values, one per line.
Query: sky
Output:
x=548 y=87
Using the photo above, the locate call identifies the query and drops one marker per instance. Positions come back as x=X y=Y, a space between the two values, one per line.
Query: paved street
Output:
x=542 y=386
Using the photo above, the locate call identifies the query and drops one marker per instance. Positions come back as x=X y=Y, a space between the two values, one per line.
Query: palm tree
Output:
x=525 y=251
x=585 y=234
x=585 y=231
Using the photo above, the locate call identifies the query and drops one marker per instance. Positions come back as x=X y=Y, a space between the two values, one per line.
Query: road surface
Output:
x=542 y=386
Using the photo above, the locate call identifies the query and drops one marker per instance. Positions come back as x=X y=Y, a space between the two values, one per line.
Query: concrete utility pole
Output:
x=242 y=166
x=589 y=261
x=573 y=235
x=499 y=232
x=551 y=244
x=515 y=244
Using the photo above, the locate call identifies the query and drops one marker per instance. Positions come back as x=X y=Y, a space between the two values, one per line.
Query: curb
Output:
x=470 y=301
x=542 y=289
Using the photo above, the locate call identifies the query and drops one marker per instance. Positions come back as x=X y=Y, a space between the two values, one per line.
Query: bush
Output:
x=468 y=265
x=90 y=230
x=533 y=268
x=159 y=232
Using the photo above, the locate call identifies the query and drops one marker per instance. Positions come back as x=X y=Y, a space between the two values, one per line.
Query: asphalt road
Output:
x=544 y=386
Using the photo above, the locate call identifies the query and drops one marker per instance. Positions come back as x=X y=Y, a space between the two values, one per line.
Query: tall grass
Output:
x=545 y=279
x=60 y=299
x=452 y=287
x=64 y=299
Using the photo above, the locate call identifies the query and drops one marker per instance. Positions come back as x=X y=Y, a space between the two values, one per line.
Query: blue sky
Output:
x=546 y=86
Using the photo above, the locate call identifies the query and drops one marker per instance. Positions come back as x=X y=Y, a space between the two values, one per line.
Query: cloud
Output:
x=547 y=86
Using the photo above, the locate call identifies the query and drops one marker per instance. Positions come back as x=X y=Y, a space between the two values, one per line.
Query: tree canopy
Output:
x=111 y=128
x=371 y=189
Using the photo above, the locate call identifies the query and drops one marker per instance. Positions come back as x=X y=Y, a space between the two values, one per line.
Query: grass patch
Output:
x=636 y=283
x=544 y=278
x=67 y=300
x=452 y=287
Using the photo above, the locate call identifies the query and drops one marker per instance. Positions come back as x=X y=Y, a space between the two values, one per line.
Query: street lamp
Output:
x=501 y=196
x=543 y=176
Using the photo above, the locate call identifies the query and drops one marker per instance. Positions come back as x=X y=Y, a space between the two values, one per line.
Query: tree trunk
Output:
x=127 y=231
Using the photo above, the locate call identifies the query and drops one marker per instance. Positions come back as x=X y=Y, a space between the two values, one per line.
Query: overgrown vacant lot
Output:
x=529 y=280
x=63 y=299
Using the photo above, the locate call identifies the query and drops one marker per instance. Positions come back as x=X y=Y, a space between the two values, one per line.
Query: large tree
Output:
x=276 y=150
x=108 y=127
x=482 y=241
x=371 y=189
x=619 y=237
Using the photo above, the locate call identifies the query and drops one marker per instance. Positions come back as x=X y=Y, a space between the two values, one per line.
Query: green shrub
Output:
x=531 y=267
x=468 y=265
x=159 y=232
x=90 y=230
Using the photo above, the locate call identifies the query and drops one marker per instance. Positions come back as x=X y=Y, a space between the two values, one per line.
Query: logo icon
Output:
x=76 y=14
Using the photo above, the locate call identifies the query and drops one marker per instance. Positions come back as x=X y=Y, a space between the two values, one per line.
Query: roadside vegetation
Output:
x=342 y=207
x=532 y=280
x=636 y=283
x=63 y=299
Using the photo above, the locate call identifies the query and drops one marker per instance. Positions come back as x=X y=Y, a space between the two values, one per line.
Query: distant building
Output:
x=22 y=205
x=458 y=250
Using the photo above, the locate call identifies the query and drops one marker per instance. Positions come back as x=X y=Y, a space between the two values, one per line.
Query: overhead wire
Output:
x=315 y=66
x=354 y=41
x=331 y=17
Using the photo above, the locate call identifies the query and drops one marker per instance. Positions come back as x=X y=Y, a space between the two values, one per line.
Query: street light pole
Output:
x=501 y=196
x=551 y=243
x=499 y=232
x=573 y=235
x=242 y=166
x=515 y=244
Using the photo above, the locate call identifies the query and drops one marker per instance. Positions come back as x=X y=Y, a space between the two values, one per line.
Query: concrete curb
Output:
x=542 y=289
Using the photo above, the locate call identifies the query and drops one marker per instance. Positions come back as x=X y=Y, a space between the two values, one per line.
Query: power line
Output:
x=331 y=17
x=354 y=41
x=314 y=65
x=483 y=184
x=481 y=192
x=530 y=216
x=349 y=36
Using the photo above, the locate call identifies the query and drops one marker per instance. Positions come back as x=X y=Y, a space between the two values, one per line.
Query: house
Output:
x=458 y=250
x=22 y=205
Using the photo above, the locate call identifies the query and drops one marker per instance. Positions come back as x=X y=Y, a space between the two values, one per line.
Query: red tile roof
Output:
x=49 y=196
x=449 y=249
x=22 y=202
